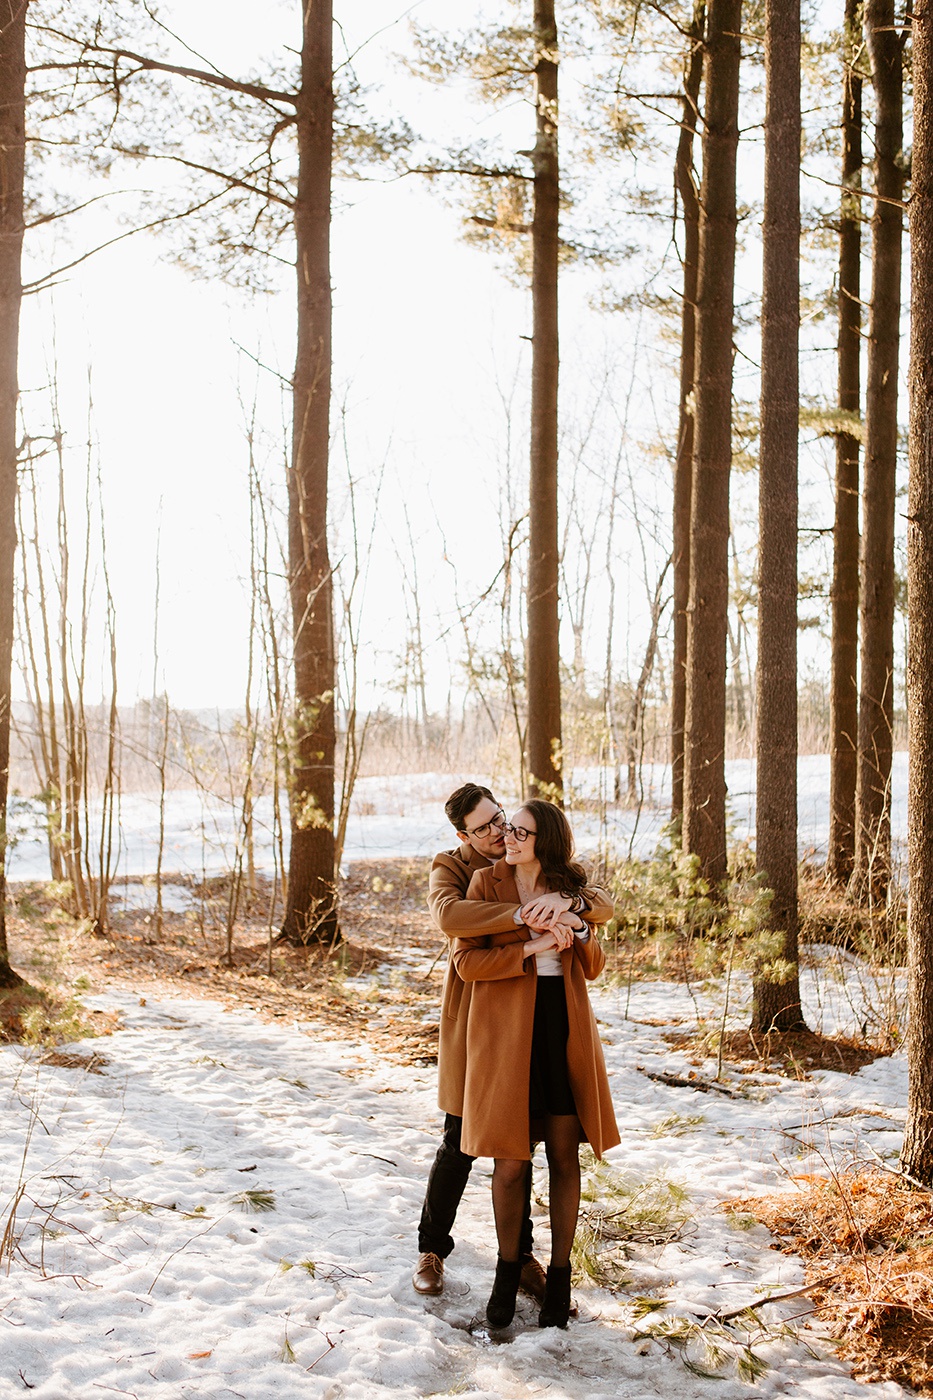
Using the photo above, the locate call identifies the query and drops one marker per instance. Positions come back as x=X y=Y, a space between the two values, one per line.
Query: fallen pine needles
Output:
x=868 y=1242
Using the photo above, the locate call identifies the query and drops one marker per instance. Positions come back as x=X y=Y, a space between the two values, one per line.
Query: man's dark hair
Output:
x=460 y=804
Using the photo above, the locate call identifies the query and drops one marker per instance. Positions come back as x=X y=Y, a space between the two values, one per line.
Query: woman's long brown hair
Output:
x=554 y=848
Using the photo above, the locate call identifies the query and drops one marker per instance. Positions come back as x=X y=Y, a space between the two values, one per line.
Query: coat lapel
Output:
x=503 y=876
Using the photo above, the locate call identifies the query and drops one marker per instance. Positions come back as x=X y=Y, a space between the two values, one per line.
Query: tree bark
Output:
x=705 y=725
x=876 y=694
x=917 y=1151
x=686 y=186
x=845 y=586
x=311 y=907
x=776 y=998
x=543 y=649
x=12 y=166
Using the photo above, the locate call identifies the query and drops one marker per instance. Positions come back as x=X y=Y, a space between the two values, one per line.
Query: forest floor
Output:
x=214 y=1193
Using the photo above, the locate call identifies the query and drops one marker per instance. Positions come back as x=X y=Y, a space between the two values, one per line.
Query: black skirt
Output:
x=549 y=1086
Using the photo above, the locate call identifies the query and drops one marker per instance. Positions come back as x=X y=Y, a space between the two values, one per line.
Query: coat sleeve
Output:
x=493 y=959
x=476 y=962
x=590 y=956
x=600 y=907
x=454 y=914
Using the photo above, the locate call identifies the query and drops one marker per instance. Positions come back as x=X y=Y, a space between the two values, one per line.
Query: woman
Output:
x=534 y=1062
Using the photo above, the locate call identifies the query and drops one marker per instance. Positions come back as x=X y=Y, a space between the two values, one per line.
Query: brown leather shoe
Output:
x=534 y=1281
x=428 y=1277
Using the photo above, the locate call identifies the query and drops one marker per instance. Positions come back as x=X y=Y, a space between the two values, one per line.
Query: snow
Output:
x=136 y=1268
x=155 y=1282
x=404 y=816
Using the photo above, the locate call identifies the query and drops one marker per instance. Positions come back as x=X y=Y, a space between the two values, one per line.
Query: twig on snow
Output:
x=329 y=1348
x=677 y=1081
x=720 y=1316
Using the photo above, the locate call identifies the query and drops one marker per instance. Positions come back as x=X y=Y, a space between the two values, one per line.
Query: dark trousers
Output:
x=446 y=1183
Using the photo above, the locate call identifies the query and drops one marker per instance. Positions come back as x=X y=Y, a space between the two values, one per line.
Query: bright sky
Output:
x=418 y=318
x=428 y=340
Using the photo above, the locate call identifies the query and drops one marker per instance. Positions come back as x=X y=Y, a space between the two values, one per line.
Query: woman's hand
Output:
x=563 y=931
x=540 y=944
x=557 y=938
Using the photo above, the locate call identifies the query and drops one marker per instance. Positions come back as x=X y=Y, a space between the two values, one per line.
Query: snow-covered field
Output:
x=136 y=1270
x=404 y=816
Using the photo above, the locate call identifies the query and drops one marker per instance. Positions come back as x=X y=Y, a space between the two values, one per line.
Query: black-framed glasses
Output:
x=482 y=831
x=521 y=833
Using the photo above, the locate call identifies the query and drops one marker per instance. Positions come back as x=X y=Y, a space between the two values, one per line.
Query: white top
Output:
x=548 y=962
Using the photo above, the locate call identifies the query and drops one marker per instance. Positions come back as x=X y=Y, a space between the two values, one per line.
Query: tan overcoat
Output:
x=500 y=1018
x=458 y=917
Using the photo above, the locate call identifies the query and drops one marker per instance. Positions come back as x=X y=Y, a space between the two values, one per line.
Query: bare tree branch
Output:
x=42 y=283
x=231 y=181
x=200 y=75
x=75 y=208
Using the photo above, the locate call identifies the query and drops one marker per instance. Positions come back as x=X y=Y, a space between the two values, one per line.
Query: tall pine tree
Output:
x=704 y=822
x=845 y=587
x=12 y=166
x=876 y=684
x=776 y=1001
x=685 y=182
x=917 y=1151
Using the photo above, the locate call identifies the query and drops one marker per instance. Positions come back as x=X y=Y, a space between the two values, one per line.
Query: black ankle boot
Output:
x=555 y=1309
x=501 y=1306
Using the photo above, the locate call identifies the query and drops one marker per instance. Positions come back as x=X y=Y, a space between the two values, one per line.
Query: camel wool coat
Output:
x=499 y=1028
x=459 y=917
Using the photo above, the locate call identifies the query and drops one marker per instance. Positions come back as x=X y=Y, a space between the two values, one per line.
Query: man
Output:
x=478 y=820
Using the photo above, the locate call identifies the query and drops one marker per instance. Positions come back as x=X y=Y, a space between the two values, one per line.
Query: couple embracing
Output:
x=520 y=1060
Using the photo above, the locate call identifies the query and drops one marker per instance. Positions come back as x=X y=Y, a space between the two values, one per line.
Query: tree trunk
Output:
x=12 y=164
x=311 y=908
x=845 y=589
x=776 y=999
x=876 y=695
x=705 y=725
x=543 y=653
x=917 y=1151
x=685 y=183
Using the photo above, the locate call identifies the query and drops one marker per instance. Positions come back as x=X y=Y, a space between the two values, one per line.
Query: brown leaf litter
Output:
x=381 y=986
x=867 y=1237
x=794 y=1054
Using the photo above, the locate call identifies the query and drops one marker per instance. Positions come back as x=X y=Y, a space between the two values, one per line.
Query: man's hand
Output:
x=543 y=912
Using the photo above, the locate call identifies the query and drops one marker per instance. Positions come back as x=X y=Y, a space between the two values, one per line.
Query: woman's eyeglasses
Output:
x=482 y=831
x=521 y=833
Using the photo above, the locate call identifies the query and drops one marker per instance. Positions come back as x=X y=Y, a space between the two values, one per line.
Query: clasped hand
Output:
x=545 y=910
x=560 y=935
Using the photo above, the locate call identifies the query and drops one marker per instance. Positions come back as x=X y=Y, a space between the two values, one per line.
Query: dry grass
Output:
x=868 y=1239
x=829 y=915
x=369 y=988
x=794 y=1054
x=48 y=1015
x=64 y=1059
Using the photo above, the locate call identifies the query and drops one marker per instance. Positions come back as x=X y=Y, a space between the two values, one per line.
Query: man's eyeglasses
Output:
x=521 y=833
x=498 y=822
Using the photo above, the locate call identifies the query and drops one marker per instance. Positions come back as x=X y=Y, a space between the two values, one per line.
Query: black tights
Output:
x=509 y=1178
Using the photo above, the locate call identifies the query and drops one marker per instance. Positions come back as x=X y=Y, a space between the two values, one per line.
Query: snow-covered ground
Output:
x=404 y=816
x=136 y=1270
